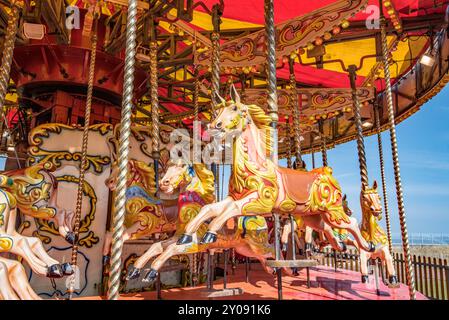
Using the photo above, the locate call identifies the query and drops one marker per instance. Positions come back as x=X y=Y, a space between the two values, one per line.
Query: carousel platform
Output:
x=326 y=284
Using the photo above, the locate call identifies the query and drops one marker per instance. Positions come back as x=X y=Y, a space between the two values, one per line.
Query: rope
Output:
x=410 y=274
x=125 y=130
x=83 y=165
x=358 y=124
x=382 y=174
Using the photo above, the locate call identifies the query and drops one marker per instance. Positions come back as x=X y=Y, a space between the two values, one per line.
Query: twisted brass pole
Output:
x=323 y=143
x=84 y=145
x=397 y=171
x=8 y=50
x=125 y=130
x=270 y=40
x=272 y=101
x=295 y=115
x=288 y=142
x=358 y=125
x=215 y=81
x=382 y=175
x=154 y=108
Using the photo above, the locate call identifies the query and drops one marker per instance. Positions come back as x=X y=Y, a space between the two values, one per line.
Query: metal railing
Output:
x=431 y=273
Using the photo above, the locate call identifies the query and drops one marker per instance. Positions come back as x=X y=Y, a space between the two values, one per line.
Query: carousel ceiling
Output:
x=322 y=37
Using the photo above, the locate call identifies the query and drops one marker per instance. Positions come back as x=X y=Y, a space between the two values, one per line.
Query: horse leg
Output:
x=308 y=240
x=6 y=290
x=155 y=249
x=232 y=210
x=392 y=278
x=22 y=248
x=364 y=256
x=172 y=250
x=127 y=234
x=19 y=281
x=353 y=228
x=316 y=222
x=207 y=212
x=40 y=252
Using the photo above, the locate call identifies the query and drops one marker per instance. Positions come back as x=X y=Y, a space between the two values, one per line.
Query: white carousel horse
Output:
x=257 y=186
x=248 y=235
x=34 y=191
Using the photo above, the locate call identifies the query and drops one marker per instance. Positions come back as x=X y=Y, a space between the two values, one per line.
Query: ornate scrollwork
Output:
x=89 y=239
x=249 y=50
x=39 y=155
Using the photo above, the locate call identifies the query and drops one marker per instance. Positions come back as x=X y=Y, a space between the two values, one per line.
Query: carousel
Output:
x=155 y=148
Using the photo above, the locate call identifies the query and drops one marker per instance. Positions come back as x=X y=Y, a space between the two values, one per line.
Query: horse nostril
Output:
x=218 y=125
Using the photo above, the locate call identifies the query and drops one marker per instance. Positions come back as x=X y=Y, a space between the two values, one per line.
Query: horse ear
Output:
x=222 y=100
x=375 y=185
x=344 y=197
x=234 y=94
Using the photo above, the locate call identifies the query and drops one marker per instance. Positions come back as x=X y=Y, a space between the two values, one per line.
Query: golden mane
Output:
x=206 y=178
x=263 y=123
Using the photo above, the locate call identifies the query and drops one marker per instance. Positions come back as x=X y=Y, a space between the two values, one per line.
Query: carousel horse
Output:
x=145 y=214
x=248 y=235
x=33 y=191
x=258 y=186
x=371 y=231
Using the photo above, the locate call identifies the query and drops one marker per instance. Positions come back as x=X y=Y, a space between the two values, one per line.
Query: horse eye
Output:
x=234 y=108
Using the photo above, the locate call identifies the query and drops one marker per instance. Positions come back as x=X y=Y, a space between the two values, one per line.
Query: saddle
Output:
x=297 y=183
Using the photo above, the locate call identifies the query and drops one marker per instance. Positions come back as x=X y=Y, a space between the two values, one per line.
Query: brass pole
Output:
x=359 y=129
x=288 y=141
x=8 y=51
x=382 y=174
x=323 y=143
x=397 y=171
x=125 y=130
x=155 y=139
x=295 y=114
x=84 y=164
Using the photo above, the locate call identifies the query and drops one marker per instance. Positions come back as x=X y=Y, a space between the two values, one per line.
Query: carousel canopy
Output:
x=316 y=41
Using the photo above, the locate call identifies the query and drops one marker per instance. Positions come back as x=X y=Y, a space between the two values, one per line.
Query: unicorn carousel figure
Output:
x=259 y=187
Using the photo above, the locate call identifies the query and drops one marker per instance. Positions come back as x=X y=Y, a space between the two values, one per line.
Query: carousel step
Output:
x=217 y=293
x=292 y=263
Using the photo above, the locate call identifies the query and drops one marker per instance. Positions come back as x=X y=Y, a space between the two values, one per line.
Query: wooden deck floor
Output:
x=326 y=284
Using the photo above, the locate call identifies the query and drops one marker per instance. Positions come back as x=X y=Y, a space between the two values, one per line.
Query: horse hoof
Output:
x=284 y=247
x=343 y=246
x=372 y=247
x=393 y=282
x=364 y=279
x=55 y=271
x=133 y=273
x=67 y=269
x=295 y=272
x=185 y=239
x=150 y=276
x=71 y=238
x=308 y=247
x=209 y=237
x=106 y=260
